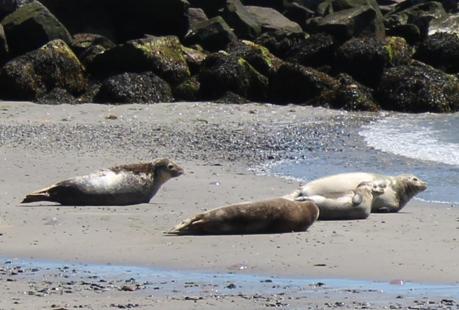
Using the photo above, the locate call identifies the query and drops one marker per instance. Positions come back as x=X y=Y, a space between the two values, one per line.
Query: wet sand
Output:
x=43 y=144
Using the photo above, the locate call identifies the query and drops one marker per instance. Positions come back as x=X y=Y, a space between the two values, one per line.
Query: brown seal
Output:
x=276 y=215
x=120 y=185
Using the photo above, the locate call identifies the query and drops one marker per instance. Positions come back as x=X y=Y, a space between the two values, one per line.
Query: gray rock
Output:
x=3 y=45
x=213 y=34
x=195 y=16
x=449 y=24
x=348 y=23
x=242 y=22
x=272 y=20
x=31 y=26
x=412 y=21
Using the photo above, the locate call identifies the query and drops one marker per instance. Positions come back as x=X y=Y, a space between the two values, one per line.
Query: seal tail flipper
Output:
x=187 y=227
x=41 y=195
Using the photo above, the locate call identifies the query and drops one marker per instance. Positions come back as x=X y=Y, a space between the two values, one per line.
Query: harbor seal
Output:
x=276 y=215
x=120 y=185
x=399 y=189
x=355 y=205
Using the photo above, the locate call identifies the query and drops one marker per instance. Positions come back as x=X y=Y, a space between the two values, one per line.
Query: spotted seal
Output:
x=276 y=215
x=120 y=185
x=399 y=189
x=355 y=205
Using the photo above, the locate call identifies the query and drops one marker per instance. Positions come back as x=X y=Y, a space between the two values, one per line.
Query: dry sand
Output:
x=419 y=244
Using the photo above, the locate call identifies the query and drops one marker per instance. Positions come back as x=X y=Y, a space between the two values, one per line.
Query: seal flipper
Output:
x=188 y=226
x=41 y=195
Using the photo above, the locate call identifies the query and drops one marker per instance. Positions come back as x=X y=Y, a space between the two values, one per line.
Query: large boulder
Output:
x=259 y=57
x=87 y=46
x=363 y=58
x=134 y=88
x=213 y=34
x=195 y=16
x=418 y=88
x=316 y=51
x=120 y=20
x=222 y=72
x=298 y=13
x=440 y=50
x=272 y=20
x=350 y=95
x=345 y=24
x=162 y=55
x=211 y=7
x=3 y=45
x=242 y=22
x=31 y=26
x=187 y=90
x=281 y=43
x=294 y=83
x=278 y=5
x=32 y=75
x=412 y=22
x=366 y=58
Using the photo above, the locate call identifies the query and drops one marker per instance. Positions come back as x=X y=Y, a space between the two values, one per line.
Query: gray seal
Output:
x=399 y=189
x=276 y=215
x=120 y=185
x=355 y=205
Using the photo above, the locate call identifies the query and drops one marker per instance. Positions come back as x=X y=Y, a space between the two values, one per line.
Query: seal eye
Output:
x=415 y=179
x=170 y=166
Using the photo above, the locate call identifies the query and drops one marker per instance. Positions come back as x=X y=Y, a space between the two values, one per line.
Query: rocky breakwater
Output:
x=343 y=54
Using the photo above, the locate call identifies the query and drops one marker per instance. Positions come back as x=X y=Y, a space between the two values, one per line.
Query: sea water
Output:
x=426 y=145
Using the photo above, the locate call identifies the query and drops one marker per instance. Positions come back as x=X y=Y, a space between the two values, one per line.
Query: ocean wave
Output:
x=429 y=137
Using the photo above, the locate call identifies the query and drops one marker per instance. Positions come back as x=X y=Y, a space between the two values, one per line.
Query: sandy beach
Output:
x=216 y=145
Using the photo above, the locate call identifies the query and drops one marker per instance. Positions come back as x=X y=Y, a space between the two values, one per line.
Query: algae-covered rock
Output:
x=363 y=58
x=31 y=26
x=222 y=72
x=162 y=55
x=294 y=83
x=194 y=58
x=213 y=34
x=281 y=43
x=350 y=95
x=134 y=88
x=399 y=52
x=187 y=90
x=32 y=75
x=418 y=88
x=315 y=51
x=88 y=45
x=259 y=57
x=441 y=50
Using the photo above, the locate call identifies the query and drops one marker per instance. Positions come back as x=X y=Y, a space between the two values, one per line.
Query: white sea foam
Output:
x=416 y=137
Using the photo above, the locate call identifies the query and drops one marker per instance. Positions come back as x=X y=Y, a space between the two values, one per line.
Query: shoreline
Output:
x=385 y=247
